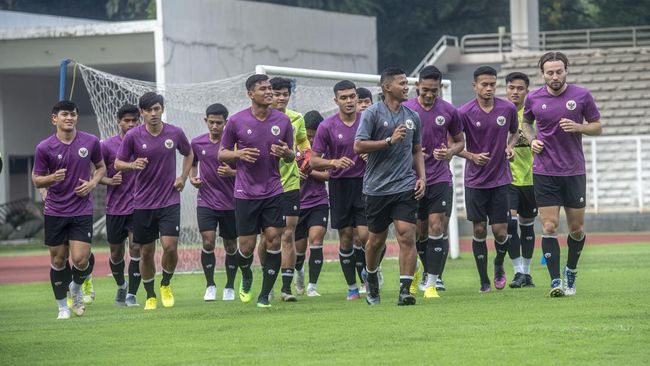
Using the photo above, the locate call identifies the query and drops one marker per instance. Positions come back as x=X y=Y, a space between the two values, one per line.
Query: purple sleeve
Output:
x=320 y=140
x=105 y=152
x=514 y=120
x=125 y=152
x=288 y=134
x=40 y=162
x=455 y=125
x=591 y=112
x=228 y=137
x=195 y=161
x=183 y=146
x=528 y=110
x=97 y=155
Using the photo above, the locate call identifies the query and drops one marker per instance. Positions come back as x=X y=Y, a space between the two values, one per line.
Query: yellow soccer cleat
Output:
x=431 y=293
x=416 y=279
x=166 y=296
x=151 y=304
x=245 y=296
x=88 y=290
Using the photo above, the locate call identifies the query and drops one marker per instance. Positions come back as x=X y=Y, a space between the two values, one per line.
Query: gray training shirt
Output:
x=390 y=170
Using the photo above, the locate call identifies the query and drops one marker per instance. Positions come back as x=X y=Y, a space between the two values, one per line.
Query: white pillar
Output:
x=524 y=24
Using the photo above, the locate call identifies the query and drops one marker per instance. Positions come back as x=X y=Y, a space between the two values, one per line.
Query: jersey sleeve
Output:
x=195 y=149
x=321 y=139
x=288 y=135
x=591 y=112
x=183 y=145
x=513 y=119
x=528 y=110
x=364 y=132
x=455 y=125
x=97 y=155
x=125 y=152
x=40 y=162
x=228 y=136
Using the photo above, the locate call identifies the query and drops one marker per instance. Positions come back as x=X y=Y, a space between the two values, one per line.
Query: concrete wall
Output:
x=213 y=39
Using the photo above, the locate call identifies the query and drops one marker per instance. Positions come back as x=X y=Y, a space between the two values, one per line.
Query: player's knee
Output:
x=501 y=236
x=435 y=228
x=230 y=246
x=208 y=246
x=577 y=233
x=58 y=261
x=80 y=261
x=134 y=250
x=550 y=227
x=117 y=256
x=480 y=232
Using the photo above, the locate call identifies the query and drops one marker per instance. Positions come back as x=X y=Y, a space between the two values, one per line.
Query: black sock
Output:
x=373 y=282
x=527 y=240
x=245 y=266
x=208 y=261
x=382 y=254
x=166 y=277
x=445 y=253
x=300 y=261
x=91 y=262
x=405 y=284
x=80 y=275
x=117 y=269
x=271 y=270
x=575 y=248
x=551 y=251
x=359 y=260
x=481 y=257
x=231 y=269
x=148 y=286
x=287 y=278
x=514 y=248
x=58 y=281
x=315 y=263
x=134 y=275
x=346 y=258
x=502 y=249
x=67 y=273
x=434 y=255
x=421 y=247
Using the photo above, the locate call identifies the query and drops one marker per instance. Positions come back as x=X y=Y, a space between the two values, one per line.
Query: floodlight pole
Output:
x=63 y=72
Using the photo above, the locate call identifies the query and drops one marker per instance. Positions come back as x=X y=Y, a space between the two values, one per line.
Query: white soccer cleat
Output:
x=228 y=294
x=300 y=282
x=311 y=291
x=131 y=300
x=78 y=305
x=64 y=313
x=423 y=282
x=210 y=293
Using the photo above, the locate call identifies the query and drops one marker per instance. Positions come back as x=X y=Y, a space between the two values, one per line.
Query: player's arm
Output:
x=45 y=181
x=369 y=146
x=455 y=144
x=317 y=162
x=87 y=186
x=320 y=176
x=590 y=129
x=418 y=162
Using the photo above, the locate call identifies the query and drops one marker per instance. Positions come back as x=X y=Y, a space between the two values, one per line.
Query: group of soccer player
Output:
x=261 y=179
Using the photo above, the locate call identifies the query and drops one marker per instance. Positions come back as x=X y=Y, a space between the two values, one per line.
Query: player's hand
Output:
x=442 y=153
x=248 y=154
x=281 y=150
x=398 y=135
x=196 y=182
x=420 y=186
x=139 y=163
x=537 y=146
x=425 y=154
x=570 y=126
x=364 y=157
x=342 y=163
x=117 y=179
x=225 y=170
x=304 y=175
x=179 y=184
x=84 y=188
x=481 y=159
x=510 y=154
x=59 y=175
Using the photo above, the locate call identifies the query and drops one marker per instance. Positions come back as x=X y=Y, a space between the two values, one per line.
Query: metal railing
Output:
x=435 y=52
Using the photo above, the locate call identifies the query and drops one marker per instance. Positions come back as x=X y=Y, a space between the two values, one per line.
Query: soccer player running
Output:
x=490 y=126
x=314 y=211
x=119 y=211
x=150 y=150
x=560 y=110
x=62 y=165
x=333 y=150
x=440 y=122
x=262 y=136
x=215 y=202
x=390 y=133
x=523 y=208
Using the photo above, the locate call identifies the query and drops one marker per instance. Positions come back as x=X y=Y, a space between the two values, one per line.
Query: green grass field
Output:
x=607 y=322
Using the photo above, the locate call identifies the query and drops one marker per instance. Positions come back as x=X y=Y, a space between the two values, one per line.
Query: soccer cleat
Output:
x=287 y=297
x=300 y=282
x=263 y=302
x=353 y=294
x=228 y=294
x=423 y=282
x=69 y=298
x=440 y=285
x=380 y=277
x=556 y=288
x=210 y=293
x=430 y=293
x=405 y=299
x=78 y=306
x=272 y=295
x=151 y=304
x=529 y=281
x=311 y=291
x=167 y=298
x=373 y=299
x=570 y=278
x=499 y=277
x=245 y=294
x=364 y=282
x=519 y=281
x=131 y=300
x=120 y=297
x=416 y=279
x=88 y=291
x=485 y=288
x=64 y=313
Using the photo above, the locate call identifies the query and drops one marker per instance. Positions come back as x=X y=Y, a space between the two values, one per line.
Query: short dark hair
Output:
x=553 y=56
x=312 y=120
x=344 y=85
x=217 y=109
x=363 y=93
x=127 y=109
x=149 y=99
x=517 y=76
x=65 y=105
x=430 y=72
x=389 y=73
x=484 y=70
x=278 y=83
x=254 y=79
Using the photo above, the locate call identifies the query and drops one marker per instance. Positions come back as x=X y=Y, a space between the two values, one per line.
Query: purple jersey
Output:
x=119 y=199
x=562 y=154
x=154 y=185
x=260 y=179
x=77 y=158
x=438 y=122
x=488 y=132
x=216 y=192
x=336 y=140
x=312 y=193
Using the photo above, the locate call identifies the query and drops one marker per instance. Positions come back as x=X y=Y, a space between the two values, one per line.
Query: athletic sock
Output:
x=433 y=253
x=445 y=253
x=421 y=247
x=117 y=269
x=287 y=278
x=134 y=275
x=551 y=251
x=527 y=239
x=405 y=283
x=479 y=247
x=315 y=263
x=373 y=280
x=166 y=277
x=231 y=269
x=514 y=248
x=58 y=281
x=346 y=257
x=575 y=249
x=517 y=265
x=208 y=261
x=525 y=265
x=79 y=275
x=148 y=286
x=359 y=260
x=300 y=261
x=271 y=270
x=91 y=263
x=67 y=273
x=245 y=266
x=502 y=249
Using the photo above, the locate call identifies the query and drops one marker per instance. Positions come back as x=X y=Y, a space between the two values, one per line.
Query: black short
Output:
x=149 y=225
x=59 y=229
x=254 y=215
x=118 y=228
x=209 y=219
x=482 y=204
x=438 y=198
x=382 y=210
x=522 y=200
x=291 y=203
x=313 y=216
x=347 y=207
x=569 y=191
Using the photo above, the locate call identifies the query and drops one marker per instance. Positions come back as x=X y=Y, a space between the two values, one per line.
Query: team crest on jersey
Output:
x=543 y=106
x=409 y=124
x=440 y=120
x=249 y=131
x=275 y=130
x=478 y=124
x=501 y=120
x=340 y=136
x=202 y=152
x=571 y=105
x=385 y=123
x=169 y=143
x=144 y=146
x=59 y=156
x=83 y=152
